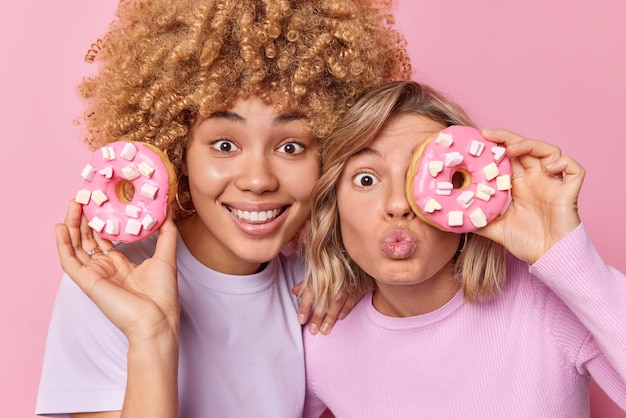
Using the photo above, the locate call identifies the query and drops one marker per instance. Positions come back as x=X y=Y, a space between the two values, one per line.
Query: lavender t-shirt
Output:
x=240 y=351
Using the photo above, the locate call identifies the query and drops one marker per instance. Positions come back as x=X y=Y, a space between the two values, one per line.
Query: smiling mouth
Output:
x=255 y=216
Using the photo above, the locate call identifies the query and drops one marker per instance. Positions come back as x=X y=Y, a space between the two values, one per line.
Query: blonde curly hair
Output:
x=162 y=63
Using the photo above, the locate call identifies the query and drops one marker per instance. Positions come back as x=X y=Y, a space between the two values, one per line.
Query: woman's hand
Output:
x=142 y=301
x=321 y=321
x=544 y=208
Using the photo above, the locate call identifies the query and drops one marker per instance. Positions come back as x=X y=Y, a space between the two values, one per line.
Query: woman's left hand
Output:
x=545 y=189
x=321 y=321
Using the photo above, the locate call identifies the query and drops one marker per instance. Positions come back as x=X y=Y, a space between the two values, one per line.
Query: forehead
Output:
x=400 y=133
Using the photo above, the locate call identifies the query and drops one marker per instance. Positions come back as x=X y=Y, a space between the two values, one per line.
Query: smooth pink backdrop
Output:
x=551 y=70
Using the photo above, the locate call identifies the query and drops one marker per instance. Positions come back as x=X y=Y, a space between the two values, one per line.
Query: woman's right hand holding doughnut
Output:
x=142 y=301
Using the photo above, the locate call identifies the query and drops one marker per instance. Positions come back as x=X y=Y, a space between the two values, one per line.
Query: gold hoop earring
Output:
x=185 y=211
x=462 y=244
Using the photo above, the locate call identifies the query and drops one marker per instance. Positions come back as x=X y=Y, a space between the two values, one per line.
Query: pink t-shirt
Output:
x=527 y=353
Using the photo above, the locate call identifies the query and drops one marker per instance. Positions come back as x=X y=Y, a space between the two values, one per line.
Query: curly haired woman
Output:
x=202 y=321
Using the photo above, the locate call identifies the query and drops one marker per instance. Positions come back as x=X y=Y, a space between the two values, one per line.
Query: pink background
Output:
x=551 y=70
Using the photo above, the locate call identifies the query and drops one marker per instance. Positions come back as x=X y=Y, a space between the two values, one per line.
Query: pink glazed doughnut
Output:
x=127 y=189
x=458 y=181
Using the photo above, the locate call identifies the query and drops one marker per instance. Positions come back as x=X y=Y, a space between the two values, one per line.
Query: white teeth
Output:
x=261 y=216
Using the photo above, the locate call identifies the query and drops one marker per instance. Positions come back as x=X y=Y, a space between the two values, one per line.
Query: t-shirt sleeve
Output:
x=84 y=368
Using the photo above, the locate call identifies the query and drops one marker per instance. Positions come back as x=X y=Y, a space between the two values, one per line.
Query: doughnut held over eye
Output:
x=127 y=188
x=458 y=181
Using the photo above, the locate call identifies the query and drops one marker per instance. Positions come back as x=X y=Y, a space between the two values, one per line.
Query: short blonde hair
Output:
x=164 y=62
x=480 y=267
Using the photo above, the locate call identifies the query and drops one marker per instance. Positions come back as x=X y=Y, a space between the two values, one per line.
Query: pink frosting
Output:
x=115 y=219
x=425 y=185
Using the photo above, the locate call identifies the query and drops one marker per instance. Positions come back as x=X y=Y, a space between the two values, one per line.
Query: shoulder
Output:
x=291 y=265
x=345 y=330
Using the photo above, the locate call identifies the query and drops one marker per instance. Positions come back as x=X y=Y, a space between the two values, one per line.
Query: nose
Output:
x=257 y=174
x=397 y=206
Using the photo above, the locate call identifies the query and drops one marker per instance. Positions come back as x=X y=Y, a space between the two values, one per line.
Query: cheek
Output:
x=299 y=180
x=356 y=220
x=446 y=244
x=208 y=179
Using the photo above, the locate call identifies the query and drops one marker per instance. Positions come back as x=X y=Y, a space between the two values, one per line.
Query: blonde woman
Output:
x=508 y=321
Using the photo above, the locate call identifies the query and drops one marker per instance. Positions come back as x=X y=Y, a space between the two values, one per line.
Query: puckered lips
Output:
x=398 y=243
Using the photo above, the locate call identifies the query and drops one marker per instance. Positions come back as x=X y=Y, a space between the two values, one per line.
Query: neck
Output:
x=415 y=299
x=205 y=247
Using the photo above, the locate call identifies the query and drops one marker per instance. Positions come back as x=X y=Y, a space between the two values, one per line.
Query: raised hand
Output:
x=142 y=301
x=544 y=208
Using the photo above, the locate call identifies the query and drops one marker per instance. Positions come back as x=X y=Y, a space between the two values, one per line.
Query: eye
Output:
x=364 y=180
x=292 y=148
x=224 y=146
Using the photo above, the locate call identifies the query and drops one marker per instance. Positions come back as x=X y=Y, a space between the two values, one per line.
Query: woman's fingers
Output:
x=526 y=154
x=166 y=243
x=306 y=302
x=72 y=222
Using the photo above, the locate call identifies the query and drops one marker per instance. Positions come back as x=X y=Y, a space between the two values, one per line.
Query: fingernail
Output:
x=301 y=319
x=325 y=328
x=313 y=328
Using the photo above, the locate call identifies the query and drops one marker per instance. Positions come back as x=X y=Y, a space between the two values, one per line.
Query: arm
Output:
x=595 y=293
x=542 y=227
x=141 y=301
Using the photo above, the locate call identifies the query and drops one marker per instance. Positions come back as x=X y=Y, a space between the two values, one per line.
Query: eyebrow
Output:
x=278 y=120
x=367 y=151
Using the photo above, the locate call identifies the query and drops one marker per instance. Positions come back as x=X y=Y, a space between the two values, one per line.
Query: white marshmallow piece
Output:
x=444 y=188
x=490 y=171
x=145 y=169
x=431 y=205
x=132 y=211
x=435 y=167
x=130 y=172
x=83 y=196
x=478 y=218
x=108 y=153
x=484 y=192
x=97 y=224
x=148 y=222
x=498 y=153
x=503 y=182
x=476 y=148
x=444 y=139
x=466 y=198
x=107 y=172
x=149 y=190
x=455 y=218
x=99 y=197
x=453 y=159
x=133 y=227
x=88 y=172
x=112 y=227
x=128 y=152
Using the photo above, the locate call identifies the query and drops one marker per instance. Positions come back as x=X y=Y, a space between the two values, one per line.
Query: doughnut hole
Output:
x=461 y=179
x=125 y=191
